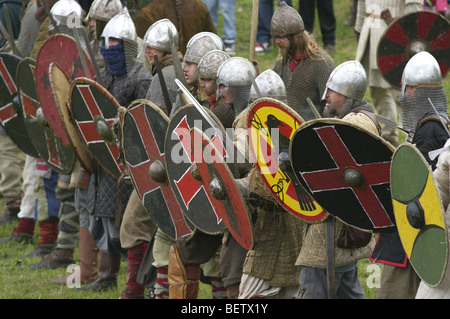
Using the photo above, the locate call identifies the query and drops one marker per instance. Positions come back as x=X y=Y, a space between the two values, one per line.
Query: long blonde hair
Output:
x=305 y=44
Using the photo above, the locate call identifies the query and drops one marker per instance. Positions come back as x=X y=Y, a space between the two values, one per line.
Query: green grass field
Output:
x=17 y=281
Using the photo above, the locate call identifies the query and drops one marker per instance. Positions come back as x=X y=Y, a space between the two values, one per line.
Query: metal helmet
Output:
x=348 y=79
x=286 y=21
x=209 y=64
x=218 y=40
x=196 y=49
x=237 y=75
x=421 y=68
x=269 y=84
x=66 y=13
x=121 y=26
x=160 y=36
x=105 y=10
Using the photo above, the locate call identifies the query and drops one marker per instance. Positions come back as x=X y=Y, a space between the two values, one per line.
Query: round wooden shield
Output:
x=61 y=88
x=346 y=170
x=144 y=129
x=59 y=157
x=229 y=205
x=408 y=35
x=11 y=117
x=88 y=100
x=419 y=214
x=61 y=49
x=194 y=200
x=264 y=116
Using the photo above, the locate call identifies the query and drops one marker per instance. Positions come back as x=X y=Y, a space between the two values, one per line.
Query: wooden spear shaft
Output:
x=253 y=29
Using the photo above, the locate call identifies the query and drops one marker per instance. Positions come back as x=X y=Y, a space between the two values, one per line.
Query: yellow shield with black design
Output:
x=419 y=214
x=271 y=125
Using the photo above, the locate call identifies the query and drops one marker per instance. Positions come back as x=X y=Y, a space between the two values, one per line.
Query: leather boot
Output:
x=107 y=275
x=183 y=280
x=42 y=250
x=88 y=254
x=11 y=210
x=59 y=258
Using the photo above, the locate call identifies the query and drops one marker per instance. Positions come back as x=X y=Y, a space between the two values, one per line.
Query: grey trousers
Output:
x=313 y=284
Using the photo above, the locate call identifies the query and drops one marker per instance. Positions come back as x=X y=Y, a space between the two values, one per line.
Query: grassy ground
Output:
x=17 y=281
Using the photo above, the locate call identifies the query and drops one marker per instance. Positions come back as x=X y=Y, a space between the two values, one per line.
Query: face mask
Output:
x=115 y=59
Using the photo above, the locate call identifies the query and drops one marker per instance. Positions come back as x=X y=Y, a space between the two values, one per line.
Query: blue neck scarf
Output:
x=115 y=59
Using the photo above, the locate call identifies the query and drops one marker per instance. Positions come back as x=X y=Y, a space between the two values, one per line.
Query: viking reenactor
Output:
x=101 y=11
x=371 y=23
x=424 y=110
x=127 y=80
x=189 y=17
x=36 y=171
x=157 y=45
x=302 y=64
x=69 y=221
x=197 y=47
x=344 y=96
x=201 y=251
x=268 y=269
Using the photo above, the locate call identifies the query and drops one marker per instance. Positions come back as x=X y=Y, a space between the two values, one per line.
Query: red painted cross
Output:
x=7 y=78
x=187 y=185
x=333 y=179
x=147 y=185
x=87 y=128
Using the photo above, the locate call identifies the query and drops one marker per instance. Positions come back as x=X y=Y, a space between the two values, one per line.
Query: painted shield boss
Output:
x=11 y=116
x=217 y=179
x=346 y=170
x=419 y=214
x=61 y=49
x=193 y=198
x=264 y=116
x=89 y=101
x=144 y=129
x=408 y=35
x=58 y=156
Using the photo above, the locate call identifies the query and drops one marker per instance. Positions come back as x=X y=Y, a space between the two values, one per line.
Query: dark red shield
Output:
x=88 y=99
x=144 y=129
x=346 y=169
x=61 y=88
x=410 y=34
x=191 y=195
x=58 y=156
x=63 y=50
x=11 y=117
x=212 y=167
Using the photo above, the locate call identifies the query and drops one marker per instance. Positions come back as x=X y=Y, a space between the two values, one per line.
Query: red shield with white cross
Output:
x=58 y=156
x=347 y=171
x=61 y=49
x=11 y=117
x=214 y=172
x=144 y=129
x=193 y=198
x=87 y=100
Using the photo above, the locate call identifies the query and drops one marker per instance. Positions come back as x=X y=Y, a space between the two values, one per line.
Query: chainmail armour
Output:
x=308 y=80
x=416 y=107
x=105 y=191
